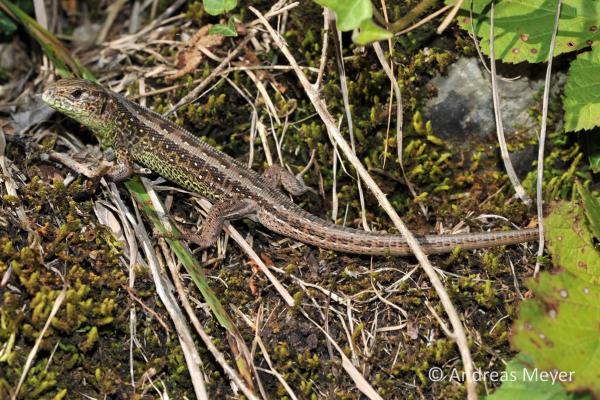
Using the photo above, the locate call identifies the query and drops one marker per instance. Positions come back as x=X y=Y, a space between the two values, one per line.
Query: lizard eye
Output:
x=76 y=93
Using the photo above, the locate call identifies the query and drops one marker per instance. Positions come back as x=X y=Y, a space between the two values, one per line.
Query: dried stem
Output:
x=512 y=175
x=459 y=332
x=540 y=165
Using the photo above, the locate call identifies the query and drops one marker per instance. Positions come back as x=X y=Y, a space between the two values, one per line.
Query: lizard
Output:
x=141 y=136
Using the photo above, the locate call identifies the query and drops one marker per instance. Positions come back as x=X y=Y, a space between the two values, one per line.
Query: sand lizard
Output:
x=142 y=136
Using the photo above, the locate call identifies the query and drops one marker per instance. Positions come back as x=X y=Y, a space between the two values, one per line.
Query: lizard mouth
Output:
x=49 y=96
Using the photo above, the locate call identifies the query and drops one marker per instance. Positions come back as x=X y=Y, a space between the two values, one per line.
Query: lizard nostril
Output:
x=47 y=95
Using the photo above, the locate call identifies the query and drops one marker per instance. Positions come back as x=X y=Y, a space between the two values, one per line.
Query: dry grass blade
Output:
x=113 y=11
x=207 y=340
x=11 y=189
x=399 y=120
x=55 y=307
x=510 y=171
x=346 y=99
x=164 y=290
x=40 y=13
x=327 y=18
x=425 y=20
x=359 y=380
x=449 y=17
x=411 y=15
x=153 y=209
x=193 y=94
x=265 y=354
x=542 y=141
x=458 y=330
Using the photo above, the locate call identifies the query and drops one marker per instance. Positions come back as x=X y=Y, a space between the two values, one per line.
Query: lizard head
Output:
x=84 y=101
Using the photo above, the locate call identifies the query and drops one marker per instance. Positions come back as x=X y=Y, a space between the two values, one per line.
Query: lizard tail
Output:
x=310 y=229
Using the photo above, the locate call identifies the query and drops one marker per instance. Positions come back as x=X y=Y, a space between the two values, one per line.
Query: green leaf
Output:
x=224 y=30
x=582 y=99
x=558 y=327
x=370 y=32
x=592 y=209
x=519 y=383
x=523 y=28
x=217 y=7
x=356 y=15
x=350 y=13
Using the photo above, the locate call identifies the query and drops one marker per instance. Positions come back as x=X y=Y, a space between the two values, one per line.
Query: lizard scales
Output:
x=141 y=135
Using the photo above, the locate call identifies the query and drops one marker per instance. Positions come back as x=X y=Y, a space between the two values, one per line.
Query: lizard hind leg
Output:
x=276 y=175
x=221 y=212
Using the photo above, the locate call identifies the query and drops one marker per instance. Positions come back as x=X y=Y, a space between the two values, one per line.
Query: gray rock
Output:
x=463 y=110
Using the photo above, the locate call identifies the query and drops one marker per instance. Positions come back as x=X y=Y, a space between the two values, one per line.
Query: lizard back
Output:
x=174 y=153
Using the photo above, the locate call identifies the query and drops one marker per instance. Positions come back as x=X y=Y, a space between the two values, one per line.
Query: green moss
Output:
x=91 y=332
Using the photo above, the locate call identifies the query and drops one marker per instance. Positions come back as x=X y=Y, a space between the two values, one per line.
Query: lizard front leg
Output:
x=221 y=212
x=123 y=167
x=279 y=176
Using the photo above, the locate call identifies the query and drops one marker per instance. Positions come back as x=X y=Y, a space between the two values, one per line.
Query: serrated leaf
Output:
x=519 y=383
x=218 y=7
x=224 y=30
x=370 y=32
x=523 y=28
x=350 y=13
x=558 y=328
x=592 y=209
x=582 y=99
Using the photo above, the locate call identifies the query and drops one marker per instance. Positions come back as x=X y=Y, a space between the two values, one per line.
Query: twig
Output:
x=515 y=280
x=357 y=377
x=265 y=355
x=262 y=132
x=510 y=171
x=171 y=88
x=262 y=90
x=194 y=93
x=459 y=332
x=148 y=309
x=334 y=198
x=540 y=167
